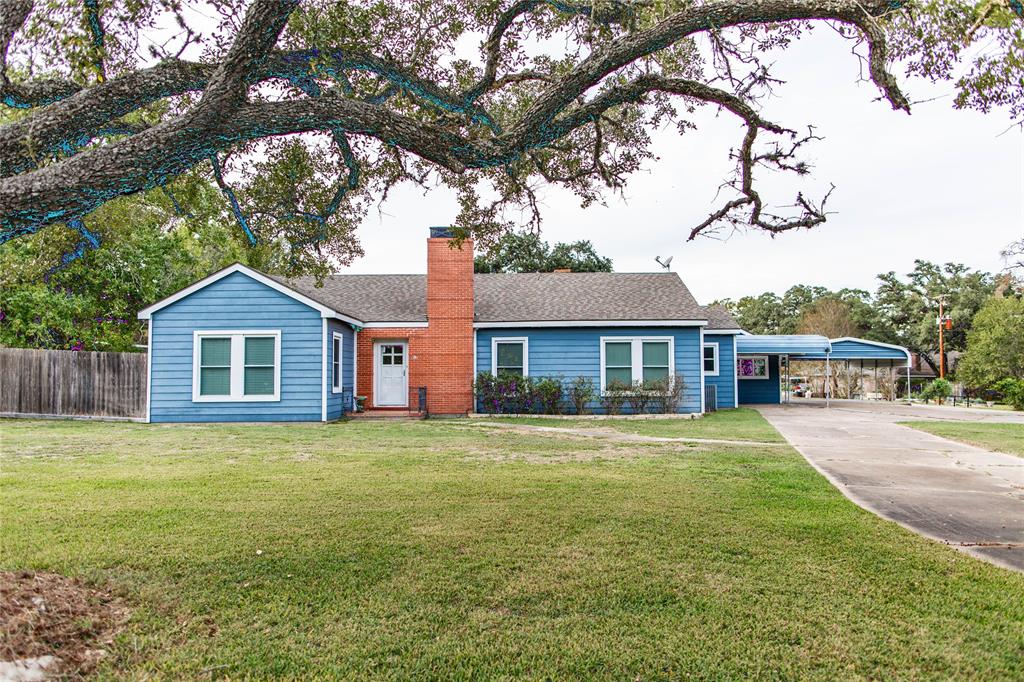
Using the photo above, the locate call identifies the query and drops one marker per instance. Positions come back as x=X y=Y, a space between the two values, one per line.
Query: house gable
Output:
x=237 y=302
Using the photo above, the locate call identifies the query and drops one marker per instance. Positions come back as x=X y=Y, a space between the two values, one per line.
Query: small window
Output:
x=336 y=363
x=215 y=366
x=510 y=356
x=752 y=367
x=236 y=366
x=627 y=360
x=711 y=359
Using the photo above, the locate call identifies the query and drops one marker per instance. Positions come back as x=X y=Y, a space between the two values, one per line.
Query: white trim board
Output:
x=718 y=365
x=339 y=376
x=590 y=323
x=396 y=325
x=149 y=371
x=324 y=311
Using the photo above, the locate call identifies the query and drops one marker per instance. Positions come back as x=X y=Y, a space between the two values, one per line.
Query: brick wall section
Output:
x=441 y=355
x=449 y=350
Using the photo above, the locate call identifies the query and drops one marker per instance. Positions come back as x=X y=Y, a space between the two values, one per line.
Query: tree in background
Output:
x=526 y=252
x=150 y=251
x=910 y=307
x=995 y=344
x=829 y=316
x=305 y=114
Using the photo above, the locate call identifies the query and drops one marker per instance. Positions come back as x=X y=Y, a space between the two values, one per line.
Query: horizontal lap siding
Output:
x=725 y=382
x=762 y=391
x=567 y=353
x=236 y=303
x=335 y=406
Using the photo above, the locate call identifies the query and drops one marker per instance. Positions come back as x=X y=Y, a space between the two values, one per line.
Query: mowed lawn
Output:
x=742 y=424
x=1008 y=438
x=448 y=549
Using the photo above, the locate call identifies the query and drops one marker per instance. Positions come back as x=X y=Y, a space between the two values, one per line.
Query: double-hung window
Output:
x=510 y=355
x=711 y=359
x=236 y=366
x=336 y=362
x=626 y=360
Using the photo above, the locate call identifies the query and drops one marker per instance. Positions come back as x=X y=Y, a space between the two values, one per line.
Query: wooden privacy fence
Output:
x=72 y=383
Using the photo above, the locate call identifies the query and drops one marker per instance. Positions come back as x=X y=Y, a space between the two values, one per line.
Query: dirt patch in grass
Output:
x=47 y=614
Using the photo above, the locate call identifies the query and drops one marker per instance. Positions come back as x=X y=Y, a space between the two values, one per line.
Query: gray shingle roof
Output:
x=720 y=318
x=515 y=297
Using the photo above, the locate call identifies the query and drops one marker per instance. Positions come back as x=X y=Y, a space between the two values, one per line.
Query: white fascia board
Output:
x=590 y=323
x=395 y=325
x=726 y=332
x=324 y=311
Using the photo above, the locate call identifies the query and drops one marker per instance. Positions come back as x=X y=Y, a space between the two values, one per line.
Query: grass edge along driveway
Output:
x=436 y=549
x=997 y=437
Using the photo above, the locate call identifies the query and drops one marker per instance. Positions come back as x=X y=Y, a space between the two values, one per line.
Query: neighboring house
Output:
x=240 y=345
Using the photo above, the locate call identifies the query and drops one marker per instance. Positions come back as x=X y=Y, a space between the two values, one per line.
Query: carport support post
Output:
x=828 y=380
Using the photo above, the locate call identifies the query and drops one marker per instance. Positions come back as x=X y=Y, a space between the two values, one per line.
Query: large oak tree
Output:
x=305 y=113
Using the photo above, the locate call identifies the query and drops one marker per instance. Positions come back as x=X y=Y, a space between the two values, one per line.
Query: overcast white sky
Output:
x=941 y=185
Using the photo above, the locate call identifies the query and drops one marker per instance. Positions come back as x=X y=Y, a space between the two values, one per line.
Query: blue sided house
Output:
x=241 y=345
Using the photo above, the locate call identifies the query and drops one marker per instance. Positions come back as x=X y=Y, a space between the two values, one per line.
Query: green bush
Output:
x=581 y=393
x=505 y=394
x=938 y=390
x=614 y=396
x=669 y=393
x=1013 y=391
x=641 y=394
x=547 y=394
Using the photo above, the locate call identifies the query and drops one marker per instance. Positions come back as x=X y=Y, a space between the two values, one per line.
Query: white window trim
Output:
x=237 y=337
x=510 y=339
x=710 y=344
x=767 y=368
x=337 y=378
x=637 y=358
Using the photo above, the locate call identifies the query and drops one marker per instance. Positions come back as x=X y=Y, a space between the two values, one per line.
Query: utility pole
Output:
x=943 y=323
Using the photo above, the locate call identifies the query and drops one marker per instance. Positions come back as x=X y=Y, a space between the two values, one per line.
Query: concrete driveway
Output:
x=969 y=498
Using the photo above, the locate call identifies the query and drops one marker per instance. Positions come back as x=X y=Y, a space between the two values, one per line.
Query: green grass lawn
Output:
x=742 y=424
x=1008 y=438
x=436 y=549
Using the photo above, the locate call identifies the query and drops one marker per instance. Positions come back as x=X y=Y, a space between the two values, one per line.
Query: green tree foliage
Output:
x=995 y=344
x=149 y=251
x=526 y=252
x=910 y=306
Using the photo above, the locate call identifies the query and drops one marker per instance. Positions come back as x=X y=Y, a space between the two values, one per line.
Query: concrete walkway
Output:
x=964 y=496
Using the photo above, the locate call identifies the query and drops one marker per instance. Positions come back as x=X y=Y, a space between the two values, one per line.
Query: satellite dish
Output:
x=667 y=263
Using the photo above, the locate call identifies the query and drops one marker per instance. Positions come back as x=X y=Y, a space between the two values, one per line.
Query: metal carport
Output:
x=796 y=347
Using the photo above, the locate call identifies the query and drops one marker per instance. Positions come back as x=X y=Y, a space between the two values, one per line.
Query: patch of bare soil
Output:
x=49 y=615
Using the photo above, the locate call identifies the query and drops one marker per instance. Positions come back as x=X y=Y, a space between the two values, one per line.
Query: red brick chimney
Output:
x=449 y=343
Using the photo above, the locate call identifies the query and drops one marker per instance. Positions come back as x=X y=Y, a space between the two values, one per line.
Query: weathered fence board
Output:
x=72 y=383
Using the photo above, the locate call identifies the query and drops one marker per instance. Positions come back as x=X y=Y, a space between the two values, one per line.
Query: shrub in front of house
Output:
x=547 y=394
x=581 y=393
x=668 y=393
x=614 y=397
x=503 y=394
x=641 y=395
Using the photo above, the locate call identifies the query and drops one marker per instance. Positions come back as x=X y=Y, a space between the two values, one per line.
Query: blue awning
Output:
x=796 y=344
x=849 y=348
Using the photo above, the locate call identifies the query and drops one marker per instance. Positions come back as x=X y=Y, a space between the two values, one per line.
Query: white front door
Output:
x=392 y=378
